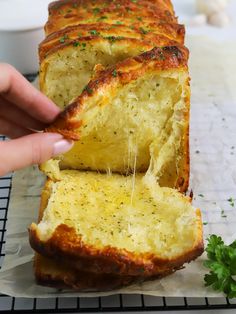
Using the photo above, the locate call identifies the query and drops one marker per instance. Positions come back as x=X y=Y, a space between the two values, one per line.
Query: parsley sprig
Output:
x=222 y=264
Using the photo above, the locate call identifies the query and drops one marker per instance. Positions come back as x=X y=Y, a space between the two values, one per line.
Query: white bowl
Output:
x=20 y=48
x=21 y=31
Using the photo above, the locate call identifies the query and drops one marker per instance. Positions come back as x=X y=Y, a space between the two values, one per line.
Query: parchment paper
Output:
x=213 y=180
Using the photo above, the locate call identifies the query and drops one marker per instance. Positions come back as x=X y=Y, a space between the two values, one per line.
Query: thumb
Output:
x=31 y=149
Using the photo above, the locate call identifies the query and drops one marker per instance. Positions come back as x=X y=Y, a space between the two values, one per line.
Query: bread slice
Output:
x=68 y=57
x=133 y=117
x=70 y=12
x=54 y=273
x=67 y=67
x=115 y=224
x=59 y=273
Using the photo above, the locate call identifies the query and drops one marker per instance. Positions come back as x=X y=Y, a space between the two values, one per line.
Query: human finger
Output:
x=12 y=130
x=15 y=88
x=14 y=114
x=31 y=149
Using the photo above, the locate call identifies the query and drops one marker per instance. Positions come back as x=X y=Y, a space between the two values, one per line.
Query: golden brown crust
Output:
x=66 y=13
x=67 y=246
x=183 y=181
x=172 y=31
x=49 y=272
x=157 y=40
x=76 y=35
x=65 y=4
x=156 y=60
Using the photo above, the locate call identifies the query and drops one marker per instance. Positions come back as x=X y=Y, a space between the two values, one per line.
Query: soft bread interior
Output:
x=139 y=126
x=66 y=72
x=122 y=212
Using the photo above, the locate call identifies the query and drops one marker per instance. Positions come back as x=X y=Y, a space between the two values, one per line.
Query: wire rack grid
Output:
x=115 y=303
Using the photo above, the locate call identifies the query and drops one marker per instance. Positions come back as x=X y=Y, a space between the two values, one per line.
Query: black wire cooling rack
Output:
x=115 y=303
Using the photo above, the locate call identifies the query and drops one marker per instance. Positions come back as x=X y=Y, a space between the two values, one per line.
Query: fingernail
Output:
x=61 y=147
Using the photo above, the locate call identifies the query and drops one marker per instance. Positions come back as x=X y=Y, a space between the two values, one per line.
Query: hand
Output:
x=23 y=112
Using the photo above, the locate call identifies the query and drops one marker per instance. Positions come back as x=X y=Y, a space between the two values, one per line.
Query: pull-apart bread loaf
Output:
x=112 y=212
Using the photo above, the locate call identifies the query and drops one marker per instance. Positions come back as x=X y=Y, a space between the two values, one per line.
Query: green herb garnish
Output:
x=143 y=31
x=231 y=201
x=102 y=18
x=113 y=38
x=88 y=89
x=63 y=38
x=76 y=44
x=114 y=73
x=222 y=264
x=94 y=32
x=96 y=10
x=223 y=214
x=161 y=56
x=201 y=195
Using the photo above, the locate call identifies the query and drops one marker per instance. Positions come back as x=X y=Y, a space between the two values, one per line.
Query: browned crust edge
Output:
x=66 y=245
x=48 y=48
x=66 y=277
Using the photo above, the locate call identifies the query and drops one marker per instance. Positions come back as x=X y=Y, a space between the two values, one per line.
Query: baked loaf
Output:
x=105 y=224
x=111 y=211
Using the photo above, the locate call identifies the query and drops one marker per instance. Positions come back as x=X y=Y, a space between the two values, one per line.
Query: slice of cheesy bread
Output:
x=134 y=115
x=59 y=273
x=67 y=67
x=117 y=224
